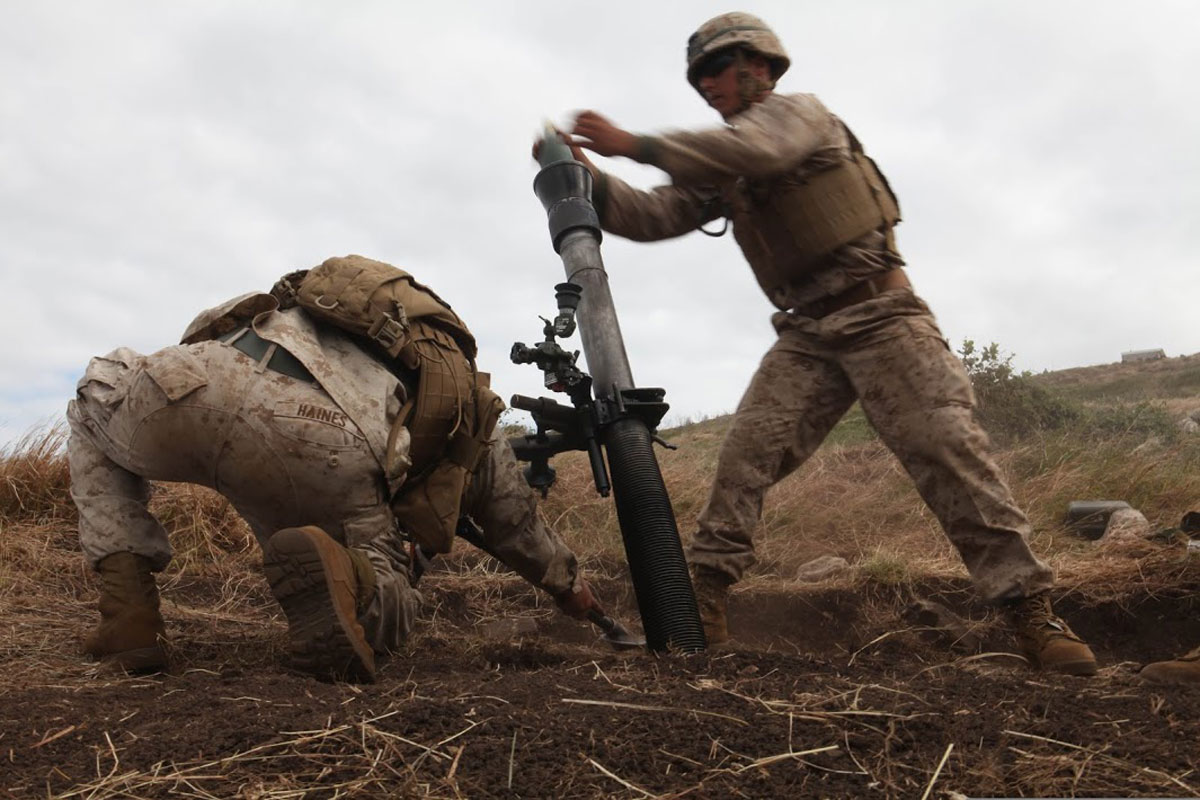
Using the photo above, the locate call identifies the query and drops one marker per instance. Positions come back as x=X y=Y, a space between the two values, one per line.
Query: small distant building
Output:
x=1142 y=355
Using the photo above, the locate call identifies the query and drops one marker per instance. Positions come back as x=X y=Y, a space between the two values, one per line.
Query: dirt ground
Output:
x=830 y=693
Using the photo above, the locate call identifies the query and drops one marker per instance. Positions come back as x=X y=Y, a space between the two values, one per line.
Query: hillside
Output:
x=831 y=689
x=1166 y=379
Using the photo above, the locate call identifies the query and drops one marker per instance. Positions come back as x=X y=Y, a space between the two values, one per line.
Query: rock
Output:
x=1089 y=518
x=1126 y=525
x=509 y=628
x=940 y=624
x=1152 y=443
x=821 y=568
x=1189 y=425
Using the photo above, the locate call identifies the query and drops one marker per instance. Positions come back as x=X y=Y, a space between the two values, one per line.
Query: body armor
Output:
x=451 y=411
x=786 y=223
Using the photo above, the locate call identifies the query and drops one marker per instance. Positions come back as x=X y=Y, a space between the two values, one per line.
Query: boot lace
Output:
x=1036 y=613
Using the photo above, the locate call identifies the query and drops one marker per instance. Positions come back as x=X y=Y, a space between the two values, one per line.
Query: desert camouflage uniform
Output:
x=887 y=352
x=285 y=452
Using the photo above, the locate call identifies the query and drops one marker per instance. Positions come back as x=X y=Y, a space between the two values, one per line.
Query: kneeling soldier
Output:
x=340 y=414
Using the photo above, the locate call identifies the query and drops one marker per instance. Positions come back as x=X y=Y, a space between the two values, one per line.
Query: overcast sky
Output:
x=157 y=158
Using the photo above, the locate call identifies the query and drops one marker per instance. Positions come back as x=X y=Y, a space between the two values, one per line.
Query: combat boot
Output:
x=131 y=630
x=712 y=600
x=1046 y=640
x=1183 y=670
x=321 y=586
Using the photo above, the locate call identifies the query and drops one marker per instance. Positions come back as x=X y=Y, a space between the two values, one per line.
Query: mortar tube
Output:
x=666 y=600
x=599 y=328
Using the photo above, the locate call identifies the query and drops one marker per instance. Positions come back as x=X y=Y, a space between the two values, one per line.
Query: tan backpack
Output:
x=451 y=413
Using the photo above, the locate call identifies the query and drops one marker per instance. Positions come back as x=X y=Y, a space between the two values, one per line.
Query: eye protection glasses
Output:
x=715 y=64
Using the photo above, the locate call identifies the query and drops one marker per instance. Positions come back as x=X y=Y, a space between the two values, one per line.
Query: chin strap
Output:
x=750 y=88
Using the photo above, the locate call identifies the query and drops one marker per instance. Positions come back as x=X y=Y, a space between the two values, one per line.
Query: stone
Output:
x=939 y=624
x=821 y=568
x=1089 y=518
x=509 y=628
x=1189 y=425
x=1151 y=444
x=1125 y=526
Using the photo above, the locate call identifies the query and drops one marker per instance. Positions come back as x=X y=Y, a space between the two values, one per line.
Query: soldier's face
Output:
x=721 y=85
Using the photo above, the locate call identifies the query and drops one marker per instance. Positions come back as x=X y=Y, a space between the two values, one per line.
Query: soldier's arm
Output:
x=536 y=553
x=509 y=527
x=644 y=216
x=771 y=137
x=648 y=216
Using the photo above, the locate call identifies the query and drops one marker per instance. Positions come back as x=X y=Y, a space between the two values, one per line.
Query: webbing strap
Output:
x=465 y=450
x=339 y=285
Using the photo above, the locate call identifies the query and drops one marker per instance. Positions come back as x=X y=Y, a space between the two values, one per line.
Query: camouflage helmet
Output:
x=736 y=29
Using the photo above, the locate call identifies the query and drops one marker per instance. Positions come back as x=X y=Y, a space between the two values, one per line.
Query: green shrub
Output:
x=888 y=569
x=1144 y=419
x=1009 y=404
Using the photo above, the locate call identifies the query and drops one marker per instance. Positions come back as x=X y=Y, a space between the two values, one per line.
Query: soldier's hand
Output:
x=576 y=152
x=578 y=601
x=601 y=136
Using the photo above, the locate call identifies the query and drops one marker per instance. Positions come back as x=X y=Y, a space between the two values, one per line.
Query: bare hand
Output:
x=576 y=151
x=601 y=136
x=578 y=601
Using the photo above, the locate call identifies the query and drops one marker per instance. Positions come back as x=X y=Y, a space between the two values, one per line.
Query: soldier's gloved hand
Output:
x=578 y=601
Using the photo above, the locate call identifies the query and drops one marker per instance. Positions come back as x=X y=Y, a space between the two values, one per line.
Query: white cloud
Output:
x=158 y=158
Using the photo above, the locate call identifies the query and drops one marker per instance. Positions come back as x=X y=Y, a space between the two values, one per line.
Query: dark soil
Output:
x=826 y=694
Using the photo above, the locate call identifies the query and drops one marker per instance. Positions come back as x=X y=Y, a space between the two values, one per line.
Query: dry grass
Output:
x=34 y=479
x=855 y=501
x=852 y=500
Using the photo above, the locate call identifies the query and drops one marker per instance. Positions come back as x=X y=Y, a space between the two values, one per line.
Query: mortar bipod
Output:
x=581 y=425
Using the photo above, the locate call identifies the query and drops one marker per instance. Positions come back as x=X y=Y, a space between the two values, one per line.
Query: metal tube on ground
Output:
x=666 y=600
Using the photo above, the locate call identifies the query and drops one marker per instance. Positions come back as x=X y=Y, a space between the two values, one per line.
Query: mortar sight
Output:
x=567 y=295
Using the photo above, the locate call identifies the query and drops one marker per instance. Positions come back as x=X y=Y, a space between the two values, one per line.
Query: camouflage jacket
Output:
x=737 y=171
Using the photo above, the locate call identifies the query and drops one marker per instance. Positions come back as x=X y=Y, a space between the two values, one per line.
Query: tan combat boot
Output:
x=321 y=585
x=1046 y=640
x=131 y=630
x=712 y=599
x=1183 y=670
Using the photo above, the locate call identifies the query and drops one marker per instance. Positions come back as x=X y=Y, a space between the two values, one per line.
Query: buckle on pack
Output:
x=387 y=330
x=286 y=289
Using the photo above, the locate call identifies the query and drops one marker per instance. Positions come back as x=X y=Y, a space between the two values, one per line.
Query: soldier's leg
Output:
x=389 y=604
x=322 y=591
x=794 y=399
x=346 y=590
x=111 y=499
x=1184 y=670
x=917 y=395
x=109 y=469
x=305 y=478
x=505 y=508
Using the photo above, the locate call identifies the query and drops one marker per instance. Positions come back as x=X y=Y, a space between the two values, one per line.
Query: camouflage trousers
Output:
x=281 y=452
x=889 y=354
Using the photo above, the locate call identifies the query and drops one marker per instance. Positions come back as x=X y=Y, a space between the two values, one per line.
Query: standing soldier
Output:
x=339 y=415
x=814 y=218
